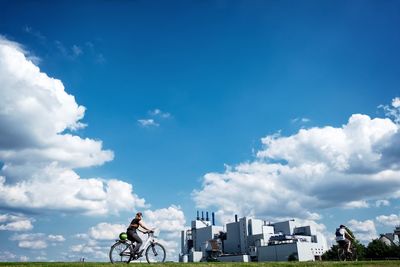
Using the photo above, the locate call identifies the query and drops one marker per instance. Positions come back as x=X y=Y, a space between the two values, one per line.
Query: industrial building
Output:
x=391 y=239
x=249 y=239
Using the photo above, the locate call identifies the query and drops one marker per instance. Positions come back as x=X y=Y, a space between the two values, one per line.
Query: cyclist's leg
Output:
x=348 y=246
x=136 y=238
x=131 y=237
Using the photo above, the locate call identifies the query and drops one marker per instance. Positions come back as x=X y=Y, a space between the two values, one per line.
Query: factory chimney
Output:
x=198 y=217
x=213 y=218
x=202 y=215
x=207 y=216
x=236 y=219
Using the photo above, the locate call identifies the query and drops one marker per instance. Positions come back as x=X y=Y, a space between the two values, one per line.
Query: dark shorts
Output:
x=134 y=237
x=343 y=243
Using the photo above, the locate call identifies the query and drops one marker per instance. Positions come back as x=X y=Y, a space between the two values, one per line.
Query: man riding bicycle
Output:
x=132 y=232
x=343 y=238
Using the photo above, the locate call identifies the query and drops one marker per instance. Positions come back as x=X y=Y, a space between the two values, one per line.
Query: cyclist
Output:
x=132 y=232
x=343 y=238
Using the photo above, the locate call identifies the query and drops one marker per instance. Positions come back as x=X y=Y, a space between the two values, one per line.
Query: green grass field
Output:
x=232 y=264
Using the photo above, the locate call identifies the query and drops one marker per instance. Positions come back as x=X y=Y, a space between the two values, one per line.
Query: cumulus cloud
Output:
x=96 y=243
x=363 y=230
x=106 y=231
x=39 y=151
x=356 y=204
x=158 y=113
x=7 y=256
x=300 y=120
x=168 y=222
x=316 y=168
x=156 y=116
x=166 y=219
x=15 y=222
x=24 y=258
x=389 y=220
x=393 y=110
x=36 y=241
x=148 y=123
x=92 y=249
x=55 y=238
x=382 y=203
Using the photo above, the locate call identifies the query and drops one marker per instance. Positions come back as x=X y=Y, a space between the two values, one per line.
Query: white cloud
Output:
x=106 y=231
x=81 y=236
x=396 y=102
x=96 y=243
x=390 y=220
x=15 y=222
x=158 y=113
x=166 y=220
x=92 y=249
x=34 y=244
x=155 y=116
x=356 y=204
x=382 y=203
x=363 y=230
x=56 y=238
x=7 y=256
x=169 y=222
x=41 y=258
x=36 y=241
x=24 y=258
x=40 y=151
x=316 y=168
x=393 y=111
x=148 y=123
x=300 y=120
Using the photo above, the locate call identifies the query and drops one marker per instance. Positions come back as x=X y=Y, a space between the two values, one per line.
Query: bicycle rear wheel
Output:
x=155 y=253
x=120 y=252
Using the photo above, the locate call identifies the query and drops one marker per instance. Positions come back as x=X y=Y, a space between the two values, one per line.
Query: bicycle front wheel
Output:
x=120 y=252
x=155 y=253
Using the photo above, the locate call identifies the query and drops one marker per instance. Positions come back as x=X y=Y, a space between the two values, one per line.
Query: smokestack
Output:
x=198 y=217
x=235 y=217
x=213 y=218
x=202 y=215
x=207 y=216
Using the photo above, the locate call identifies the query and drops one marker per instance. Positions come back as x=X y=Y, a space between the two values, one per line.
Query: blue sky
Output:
x=178 y=91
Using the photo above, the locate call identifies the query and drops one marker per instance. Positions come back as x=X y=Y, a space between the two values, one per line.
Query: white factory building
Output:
x=249 y=239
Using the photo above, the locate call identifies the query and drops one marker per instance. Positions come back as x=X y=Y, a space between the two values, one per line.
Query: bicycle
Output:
x=122 y=250
x=344 y=255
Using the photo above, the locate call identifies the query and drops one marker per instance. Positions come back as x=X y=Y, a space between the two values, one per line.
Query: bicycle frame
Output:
x=150 y=240
x=344 y=255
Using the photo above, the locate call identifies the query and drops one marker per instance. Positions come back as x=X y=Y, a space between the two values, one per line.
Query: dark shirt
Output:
x=134 y=224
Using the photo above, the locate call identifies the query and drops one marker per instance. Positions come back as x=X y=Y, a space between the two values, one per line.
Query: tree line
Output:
x=375 y=250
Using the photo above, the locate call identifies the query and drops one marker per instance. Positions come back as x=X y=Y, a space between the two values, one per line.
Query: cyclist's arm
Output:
x=348 y=236
x=144 y=226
